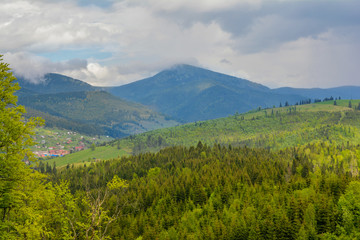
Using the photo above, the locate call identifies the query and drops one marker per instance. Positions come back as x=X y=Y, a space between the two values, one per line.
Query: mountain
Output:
x=345 y=92
x=98 y=109
x=191 y=94
x=52 y=121
x=275 y=129
x=53 y=83
x=75 y=105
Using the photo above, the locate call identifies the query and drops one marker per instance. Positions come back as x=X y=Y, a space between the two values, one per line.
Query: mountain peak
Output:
x=187 y=69
x=183 y=88
x=55 y=83
x=189 y=74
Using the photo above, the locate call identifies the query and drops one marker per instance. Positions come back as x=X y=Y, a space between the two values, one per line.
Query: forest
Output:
x=273 y=128
x=202 y=192
x=300 y=188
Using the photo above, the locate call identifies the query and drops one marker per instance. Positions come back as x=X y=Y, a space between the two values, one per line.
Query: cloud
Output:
x=199 y=6
x=225 y=61
x=33 y=68
x=326 y=60
x=42 y=26
x=278 y=43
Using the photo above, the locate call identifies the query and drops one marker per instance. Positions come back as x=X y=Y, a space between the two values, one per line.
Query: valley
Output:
x=58 y=143
x=289 y=170
x=179 y=120
x=274 y=129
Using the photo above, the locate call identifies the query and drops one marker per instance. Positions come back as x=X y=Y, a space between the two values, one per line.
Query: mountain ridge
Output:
x=188 y=93
x=55 y=83
x=178 y=90
x=117 y=117
x=345 y=92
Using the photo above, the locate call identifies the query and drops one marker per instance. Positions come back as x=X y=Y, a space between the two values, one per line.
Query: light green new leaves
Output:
x=117 y=183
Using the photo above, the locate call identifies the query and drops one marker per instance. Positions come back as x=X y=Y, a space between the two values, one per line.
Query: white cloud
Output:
x=33 y=67
x=48 y=26
x=276 y=43
x=196 y=6
x=326 y=60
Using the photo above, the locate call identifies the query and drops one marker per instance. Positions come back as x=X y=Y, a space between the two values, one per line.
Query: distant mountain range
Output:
x=75 y=105
x=345 y=92
x=117 y=117
x=191 y=94
x=183 y=92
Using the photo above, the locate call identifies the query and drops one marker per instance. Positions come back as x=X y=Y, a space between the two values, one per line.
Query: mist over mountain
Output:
x=54 y=83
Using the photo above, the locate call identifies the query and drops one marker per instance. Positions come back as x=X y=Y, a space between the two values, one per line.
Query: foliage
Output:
x=52 y=121
x=31 y=206
x=20 y=213
x=98 y=110
x=67 y=140
x=15 y=135
x=88 y=156
x=274 y=128
x=307 y=192
x=299 y=179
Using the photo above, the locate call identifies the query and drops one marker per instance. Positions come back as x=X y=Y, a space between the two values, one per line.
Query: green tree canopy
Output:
x=15 y=136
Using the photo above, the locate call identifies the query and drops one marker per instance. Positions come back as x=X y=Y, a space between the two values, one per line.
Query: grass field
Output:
x=85 y=156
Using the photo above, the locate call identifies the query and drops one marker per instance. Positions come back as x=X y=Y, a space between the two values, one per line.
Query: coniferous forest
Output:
x=202 y=192
x=309 y=190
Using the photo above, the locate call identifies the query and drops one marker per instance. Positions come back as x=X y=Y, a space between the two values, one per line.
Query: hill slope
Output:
x=115 y=116
x=271 y=128
x=275 y=129
x=223 y=193
x=191 y=94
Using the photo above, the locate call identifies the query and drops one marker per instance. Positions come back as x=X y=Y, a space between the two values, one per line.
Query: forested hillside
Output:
x=202 y=192
x=266 y=128
x=286 y=173
x=192 y=94
x=274 y=128
x=99 y=111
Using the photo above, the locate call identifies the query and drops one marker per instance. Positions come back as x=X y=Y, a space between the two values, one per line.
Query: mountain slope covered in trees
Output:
x=97 y=109
x=274 y=129
x=202 y=192
x=191 y=94
x=305 y=190
x=267 y=128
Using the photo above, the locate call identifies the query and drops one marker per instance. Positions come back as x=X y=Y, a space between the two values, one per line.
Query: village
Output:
x=57 y=143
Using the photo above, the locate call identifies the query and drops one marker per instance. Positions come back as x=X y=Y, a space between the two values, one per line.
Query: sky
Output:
x=113 y=42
